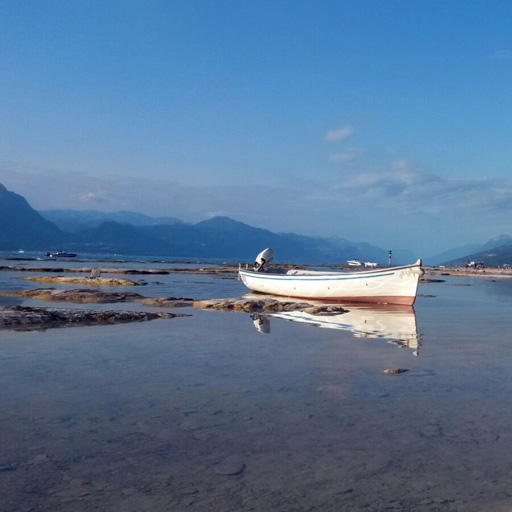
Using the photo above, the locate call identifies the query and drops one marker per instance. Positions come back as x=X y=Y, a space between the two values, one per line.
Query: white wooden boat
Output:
x=393 y=285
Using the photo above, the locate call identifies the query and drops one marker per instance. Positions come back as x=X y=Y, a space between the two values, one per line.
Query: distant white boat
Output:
x=60 y=254
x=357 y=263
x=394 y=285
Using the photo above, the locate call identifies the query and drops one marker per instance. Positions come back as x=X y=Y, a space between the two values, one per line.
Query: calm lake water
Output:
x=231 y=412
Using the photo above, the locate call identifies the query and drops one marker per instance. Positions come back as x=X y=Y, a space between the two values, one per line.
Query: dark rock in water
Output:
x=241 y=304
x=140 y=271
x=76 y=295
x=253 y=304
x=230 y=466
x=84 y=295
x=27 y=318
x=395 y=371
x=247 y=305
x=167 y=302
x=90 y=281
x=325 y=310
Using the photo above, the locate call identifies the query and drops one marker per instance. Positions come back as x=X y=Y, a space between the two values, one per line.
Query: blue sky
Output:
x=379 y=121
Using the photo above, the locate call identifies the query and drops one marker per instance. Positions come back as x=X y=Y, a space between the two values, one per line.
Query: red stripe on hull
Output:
x=399 y=300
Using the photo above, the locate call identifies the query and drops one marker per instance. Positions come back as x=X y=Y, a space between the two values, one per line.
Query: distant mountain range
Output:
x=74 y=221
x=21 y=227
x=451 y=254
x=496 y=252
x=220 y=237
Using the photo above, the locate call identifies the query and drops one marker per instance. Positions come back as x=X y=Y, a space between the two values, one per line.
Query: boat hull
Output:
x=397 y=285
x=60 y=255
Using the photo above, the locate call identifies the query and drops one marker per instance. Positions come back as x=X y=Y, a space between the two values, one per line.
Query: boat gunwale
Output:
x=329 y=276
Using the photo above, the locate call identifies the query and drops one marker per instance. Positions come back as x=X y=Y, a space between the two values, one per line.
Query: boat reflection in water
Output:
x=261 y=322
x=395 y=324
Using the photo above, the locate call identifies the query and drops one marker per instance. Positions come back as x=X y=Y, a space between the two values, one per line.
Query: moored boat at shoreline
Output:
x=392 y=285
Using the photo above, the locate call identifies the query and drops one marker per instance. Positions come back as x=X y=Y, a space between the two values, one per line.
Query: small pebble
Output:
x=230 y=467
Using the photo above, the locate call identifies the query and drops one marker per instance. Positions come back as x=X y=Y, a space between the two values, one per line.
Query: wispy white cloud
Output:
x=339 y=133
x=349 y=155
x=93 y=198
x=407 y=187
x=402 y=163
x=402 y=186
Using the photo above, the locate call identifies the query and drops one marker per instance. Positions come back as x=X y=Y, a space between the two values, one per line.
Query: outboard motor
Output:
x=262 y=259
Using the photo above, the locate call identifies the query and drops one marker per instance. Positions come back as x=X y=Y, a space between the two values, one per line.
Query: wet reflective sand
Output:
x=207 y=413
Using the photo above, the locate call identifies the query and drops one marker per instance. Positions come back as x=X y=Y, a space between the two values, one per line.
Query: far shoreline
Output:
x=230 y=268
x=489 y=272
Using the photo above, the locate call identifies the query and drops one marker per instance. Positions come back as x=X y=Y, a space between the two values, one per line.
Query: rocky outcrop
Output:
x=28 y=318
x=242 y=304
x=79 y=296
x=166 y=302
x=98 y=281
x=252 y=305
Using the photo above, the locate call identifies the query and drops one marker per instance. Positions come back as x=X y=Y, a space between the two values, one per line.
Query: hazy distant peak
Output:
x=497 y=241
x=221 y=222
x=76 y=220
x=501 y=238
x=21 y=225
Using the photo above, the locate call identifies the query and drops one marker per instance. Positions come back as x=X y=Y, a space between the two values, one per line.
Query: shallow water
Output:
x=208 y=413
x=197 y=286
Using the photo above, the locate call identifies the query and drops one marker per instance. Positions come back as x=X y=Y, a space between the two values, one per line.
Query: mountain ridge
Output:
x=218 y=237
x=491 y=257
x=22 y=226
x=74 y=221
